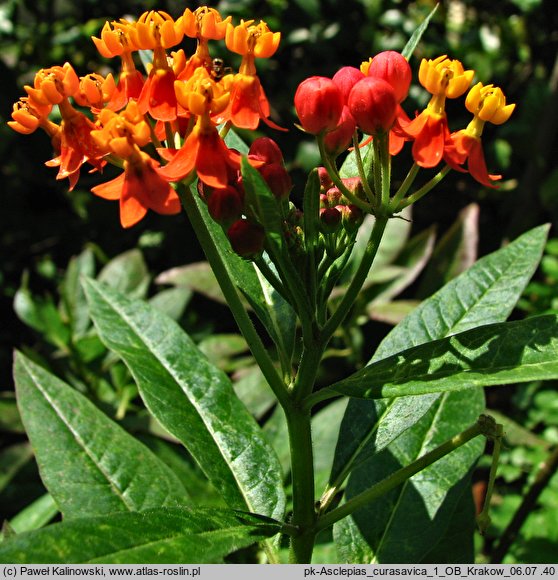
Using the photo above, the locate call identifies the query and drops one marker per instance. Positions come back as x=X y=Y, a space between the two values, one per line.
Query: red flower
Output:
x=203 y=151
x=430 y=132
x=139 y=188
x=465 y=147
x=248 y=103
x=158 y=96
x=319 y=104
x=373 y=105
x=76 y=145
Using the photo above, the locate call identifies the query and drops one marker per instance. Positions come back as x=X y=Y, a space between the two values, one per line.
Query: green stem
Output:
x=400 y=476
x=382 y=159
x=361 y=171
x=405 y=186
x=483 y=519
x=424 y=189
x=302 y=471
x=358 y=279
x=231 y=295
x=335 y=177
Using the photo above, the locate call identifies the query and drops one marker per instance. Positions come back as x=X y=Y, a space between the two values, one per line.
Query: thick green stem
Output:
x=231 y=295
x=302 y=470
x=400 y=476
x=358 y=280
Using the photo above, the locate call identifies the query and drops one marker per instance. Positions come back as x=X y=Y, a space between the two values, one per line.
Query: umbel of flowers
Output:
x=169 y=126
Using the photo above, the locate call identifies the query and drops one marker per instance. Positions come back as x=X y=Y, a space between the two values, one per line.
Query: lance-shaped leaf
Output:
x=484 y=294
x=495 y=354
x=403 y=525
x=245 y=277
x=192 y=399
x=89 y=464
x=157 y=536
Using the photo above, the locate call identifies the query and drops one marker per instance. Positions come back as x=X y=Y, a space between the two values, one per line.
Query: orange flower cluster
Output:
x=370 y=100
x=163 y=127
x=445 y=79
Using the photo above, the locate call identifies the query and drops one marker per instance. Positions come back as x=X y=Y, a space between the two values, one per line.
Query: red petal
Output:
x=131 y=209
x=183 y=162
x=428 y=147
x=477 y=166
x=158 y=96
x=111 y=189
x=212 y=160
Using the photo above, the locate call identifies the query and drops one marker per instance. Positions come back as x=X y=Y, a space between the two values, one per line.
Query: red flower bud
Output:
x=354 y=185
x=325 y=179
x=265 y=149
x=352 y=217
x=345 y=79
x=393 y=68
x=333 y=196
x=330 y=220
x=278 y=179
x=340 y=138
x=247 y=238
x=225 y=205
x=373 y=105
x=319 y=104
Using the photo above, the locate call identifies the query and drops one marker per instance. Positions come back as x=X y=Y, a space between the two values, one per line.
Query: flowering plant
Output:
x=404 y=428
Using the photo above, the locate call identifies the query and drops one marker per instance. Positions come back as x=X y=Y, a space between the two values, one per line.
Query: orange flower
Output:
x=252 y=39
x=76 y=145
x=203 y=151
x=54 y=84
x=488 y=104
x=442 y=77
x=115 y=41
x=95 y=90
x=156 y=29
x=205 y=23
x=139 y=188
x=248 y=103
x=28 y=116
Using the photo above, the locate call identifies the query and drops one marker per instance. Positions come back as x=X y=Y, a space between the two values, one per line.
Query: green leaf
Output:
x=495 y=354
x=486 y=293
x=73 y=298
x=197 y=277
x=43 y=316
x=35 y=515
x=10 y=420
x=456 y=546
x=172 y=301
x=412 y=260
x=325 y=432
x=403 y=525
x=89 y=464
x=221 y=348
x=192 y=399
x=127 y=273
x=417 y=35
x=262 y=204
x=454 y=253
x=165 y=535
x=252 y=389
x=269 y=309
x=12 y=459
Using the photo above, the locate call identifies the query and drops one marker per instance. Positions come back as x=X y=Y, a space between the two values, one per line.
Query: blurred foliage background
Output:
x=511 y=43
